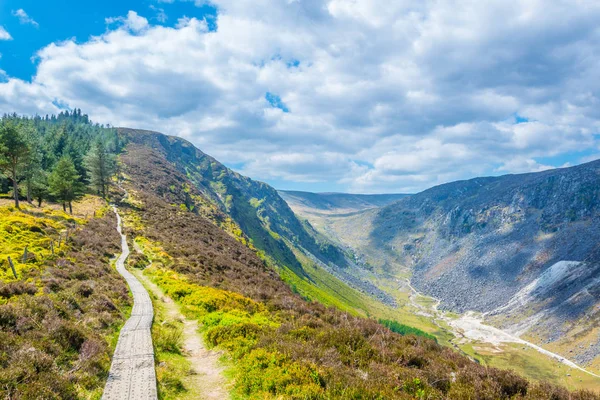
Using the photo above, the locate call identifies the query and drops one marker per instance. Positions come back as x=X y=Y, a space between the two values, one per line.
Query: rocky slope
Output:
x=525 y=249
x=487 y=238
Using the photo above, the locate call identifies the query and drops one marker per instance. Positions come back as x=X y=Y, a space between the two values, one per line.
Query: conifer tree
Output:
x=32 y=167
x=14 y=151
x=101 y=166
x=39 y=187
x=64 y=183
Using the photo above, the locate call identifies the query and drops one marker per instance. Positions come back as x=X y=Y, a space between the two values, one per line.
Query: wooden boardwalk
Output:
x=132 y=375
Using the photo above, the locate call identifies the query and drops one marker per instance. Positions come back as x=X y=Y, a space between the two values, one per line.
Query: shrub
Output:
x=9 y=289
x=405 y=329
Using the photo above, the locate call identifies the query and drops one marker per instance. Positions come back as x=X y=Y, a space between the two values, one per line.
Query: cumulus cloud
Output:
x=24 y=18
x=369 y=95
x=4 y=35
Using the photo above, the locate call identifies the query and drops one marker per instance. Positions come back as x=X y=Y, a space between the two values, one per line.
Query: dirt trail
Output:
x=207 y=378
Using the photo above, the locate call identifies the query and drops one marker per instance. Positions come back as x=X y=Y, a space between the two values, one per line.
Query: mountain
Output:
x=252 y=210
x=254 y=206
x=494 y=235
x=283 y=305
x=524 y=249
x=336 y=203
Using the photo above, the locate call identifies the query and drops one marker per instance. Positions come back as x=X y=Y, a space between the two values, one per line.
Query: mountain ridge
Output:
x=242 y=198
x=339 y=203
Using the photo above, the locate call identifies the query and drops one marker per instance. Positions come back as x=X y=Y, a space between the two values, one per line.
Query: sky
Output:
x=362 y=96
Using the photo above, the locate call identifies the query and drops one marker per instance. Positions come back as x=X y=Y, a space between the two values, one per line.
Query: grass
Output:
x=228 y=320
x=31 y=228
x=172 y=367
x=402 y=329
x=36 y=228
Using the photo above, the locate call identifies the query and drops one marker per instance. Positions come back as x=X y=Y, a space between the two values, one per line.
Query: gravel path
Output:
x=132 y=375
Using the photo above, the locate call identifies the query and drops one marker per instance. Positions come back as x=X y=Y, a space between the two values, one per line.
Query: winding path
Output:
x=132 y=375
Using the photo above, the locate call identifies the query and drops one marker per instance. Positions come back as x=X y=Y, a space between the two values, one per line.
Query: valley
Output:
x=417 y=240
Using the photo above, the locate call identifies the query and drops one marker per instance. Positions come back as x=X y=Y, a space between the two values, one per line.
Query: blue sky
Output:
x=56 y=21
x=323 y=95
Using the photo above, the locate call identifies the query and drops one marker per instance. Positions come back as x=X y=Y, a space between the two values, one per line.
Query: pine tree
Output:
x=14 y=150
x=101 y=165
x=32 y=163
x=64 y=183
x=39 y=187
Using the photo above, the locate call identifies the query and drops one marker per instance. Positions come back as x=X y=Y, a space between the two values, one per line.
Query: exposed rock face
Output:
x=474 y=244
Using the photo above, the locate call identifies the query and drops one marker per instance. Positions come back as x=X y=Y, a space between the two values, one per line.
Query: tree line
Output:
x=58 y=157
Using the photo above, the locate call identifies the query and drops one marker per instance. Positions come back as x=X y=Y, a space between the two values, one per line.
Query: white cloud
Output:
x=393 y=96
x=520 y=165
x=24 y=18
x=183 y=22
x=4 y=35
x=161 y=16
x=133 y=21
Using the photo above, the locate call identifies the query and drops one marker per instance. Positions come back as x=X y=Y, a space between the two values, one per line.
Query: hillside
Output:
x=254 y=206
x=494 y=235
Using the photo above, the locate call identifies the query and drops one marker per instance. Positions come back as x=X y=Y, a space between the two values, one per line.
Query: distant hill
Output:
x=337 y=203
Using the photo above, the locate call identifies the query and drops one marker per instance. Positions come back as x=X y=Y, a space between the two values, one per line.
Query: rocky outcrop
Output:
x=474 y=244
